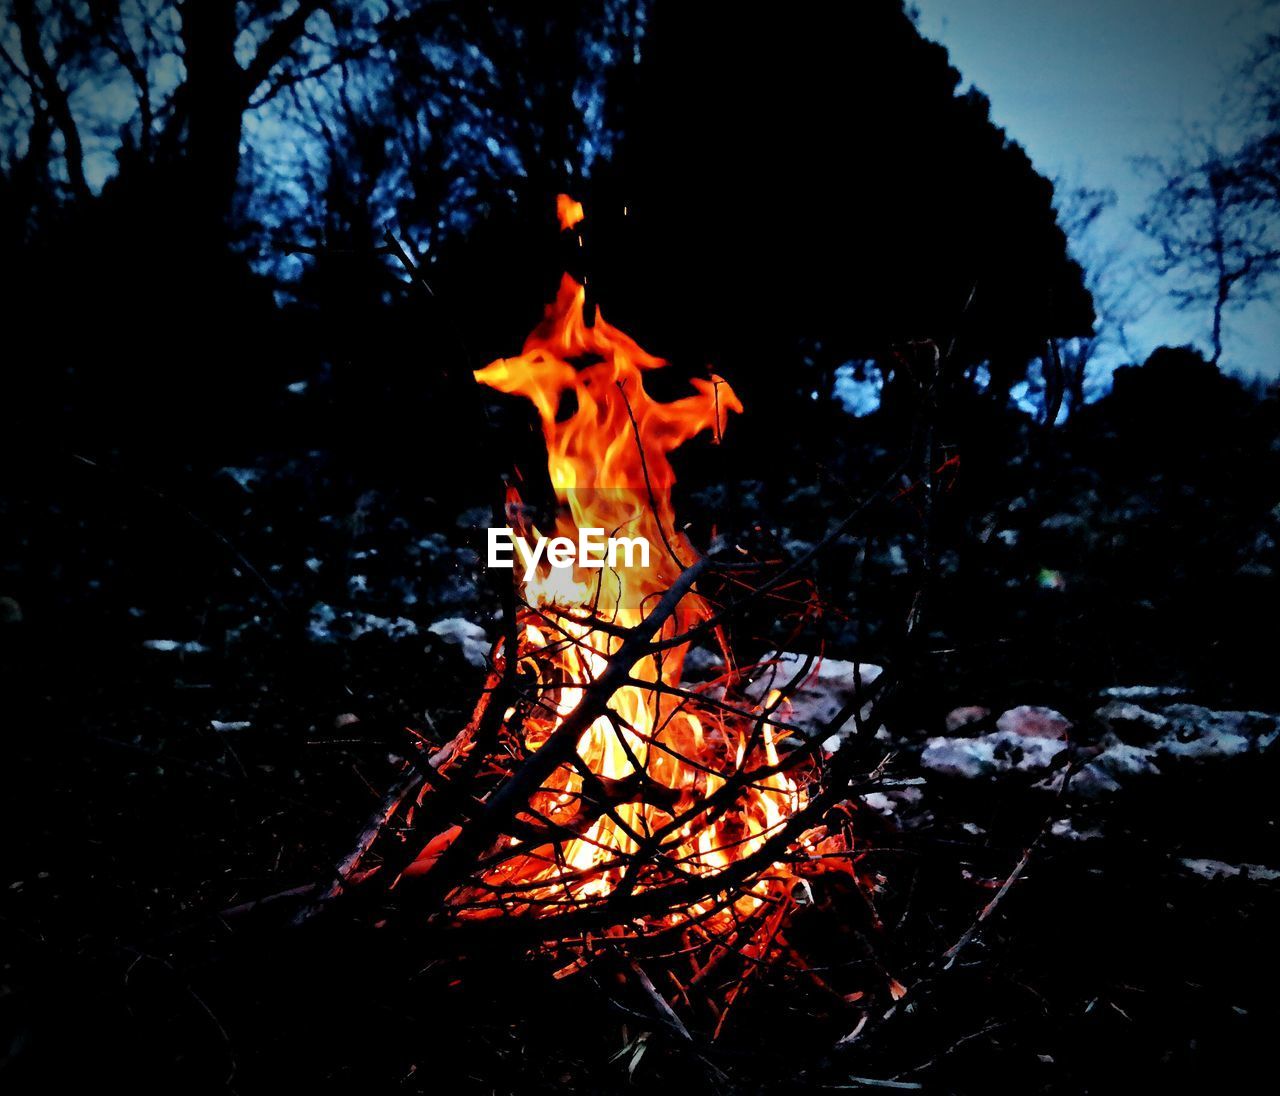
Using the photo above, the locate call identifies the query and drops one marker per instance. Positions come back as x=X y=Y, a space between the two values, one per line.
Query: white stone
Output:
x=830 y=685
x=1001 y=751
x=466 y=634
x=1034 y=722
x=1144 y=692
x=324 y=618
x=963 y=717
x=1217 y=869
x=173 y=646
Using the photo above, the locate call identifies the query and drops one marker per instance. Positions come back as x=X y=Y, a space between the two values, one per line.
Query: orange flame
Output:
x=611 y=452
x=654 y=757
x=568 y=211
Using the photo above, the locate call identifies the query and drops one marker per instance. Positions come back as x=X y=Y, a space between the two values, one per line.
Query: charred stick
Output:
x=775 y=845
x=377 y=822
x=953 y=953
x=514 y=795
x=664 y=1010
x=391 y=802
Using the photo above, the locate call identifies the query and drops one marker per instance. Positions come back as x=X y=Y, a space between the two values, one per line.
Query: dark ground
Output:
x=1136 y=546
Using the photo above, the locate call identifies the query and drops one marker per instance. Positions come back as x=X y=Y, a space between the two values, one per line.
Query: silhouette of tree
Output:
x=1216 y=212
x=1257 y=108
x=190 y=146
x=1223 y=245
x=823 y=174
x=802 y=190
x=1111 y=278
x=193 y=70
x=119 y=90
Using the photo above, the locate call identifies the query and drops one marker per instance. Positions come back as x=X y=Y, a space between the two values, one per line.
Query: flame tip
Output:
x=569 y=213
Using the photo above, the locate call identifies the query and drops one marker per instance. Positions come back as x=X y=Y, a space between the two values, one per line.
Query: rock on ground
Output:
x=329 y=625
x=1034 y=722
x=830 y=685
x=1026 y=739
x=465 y=634
x=963 y=717
x=992 y=754
x=1217 y=869
x=1139 y=741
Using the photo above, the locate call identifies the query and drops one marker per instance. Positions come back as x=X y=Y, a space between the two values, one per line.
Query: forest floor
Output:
x=204 y=688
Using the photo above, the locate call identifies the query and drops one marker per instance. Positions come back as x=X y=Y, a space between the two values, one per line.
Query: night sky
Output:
x=1088 y=86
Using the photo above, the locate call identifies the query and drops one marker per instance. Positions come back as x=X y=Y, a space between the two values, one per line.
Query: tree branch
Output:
x=277 y=46
x=56 y=102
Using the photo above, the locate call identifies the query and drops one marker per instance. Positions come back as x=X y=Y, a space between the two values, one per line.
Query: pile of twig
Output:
x=464 y=808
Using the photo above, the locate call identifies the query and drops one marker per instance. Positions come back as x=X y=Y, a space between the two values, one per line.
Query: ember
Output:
x=568 y=212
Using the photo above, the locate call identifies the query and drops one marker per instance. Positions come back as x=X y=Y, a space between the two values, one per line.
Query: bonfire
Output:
x=595 y=794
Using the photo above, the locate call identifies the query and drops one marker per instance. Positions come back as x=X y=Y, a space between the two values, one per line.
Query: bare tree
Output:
x=39 y=49
x=1110 y=277
x=1216 y=212
x=1223 y=245
x=197 y=96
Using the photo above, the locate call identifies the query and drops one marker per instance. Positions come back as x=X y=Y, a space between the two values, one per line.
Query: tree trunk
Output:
x=214 y=112
x=1220 y=302
x=55 y=97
